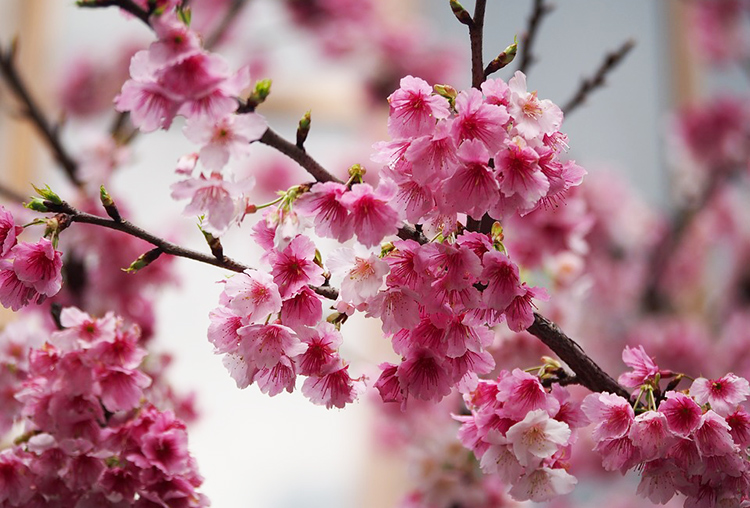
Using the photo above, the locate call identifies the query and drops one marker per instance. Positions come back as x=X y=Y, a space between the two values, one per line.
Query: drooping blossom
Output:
x=414 y=109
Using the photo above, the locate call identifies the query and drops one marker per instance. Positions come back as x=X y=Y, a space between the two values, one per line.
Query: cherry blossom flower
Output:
x=543 y=484
x=644 y=368
x=614 y=415
x=252 y=294
x=370 y=212
x=414 y=109
x=294 y=267
x=38 y=265
x=227 y=136
x=8 y=232
x=723 y=394
x=682 y=412
x=532 y=117
x=479 y=120
x=537 y=437
x=333 y=387
x=331 y=216
x=362 y=277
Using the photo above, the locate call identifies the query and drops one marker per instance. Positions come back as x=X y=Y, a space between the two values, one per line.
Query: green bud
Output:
x=503 y=59
x=461 y=14
x=48 y=194
x=262 y=89
x=37 y=204
x=448 y=92
x=303 y=129
x=143 y=260
x=109 y=204
x=185 y=14
x=357 y=172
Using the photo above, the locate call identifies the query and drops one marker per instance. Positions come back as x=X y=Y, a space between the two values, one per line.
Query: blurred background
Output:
x=284 y=452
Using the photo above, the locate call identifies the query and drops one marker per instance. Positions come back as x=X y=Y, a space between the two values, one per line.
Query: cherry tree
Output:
x=451 y=236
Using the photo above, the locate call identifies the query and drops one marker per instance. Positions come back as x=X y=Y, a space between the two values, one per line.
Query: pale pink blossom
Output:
x=723 y=394
x=432 y=157
x=618 y=454
x=252 y=294
x=522 y=393
x=272 y=381
x=333 y=387
x=176 y=40
x=644 y=368
x=650 y=432
x=659 y=481
x=38 y=265
x=266 y=345
x=121 y=388
x=543 y=484
x=612 y=414
x=532 y=117
x=414 y=109
x=219 y=199
x=712 y=435
x=362 y=277
x=500 y=459
x=149 y=105
x=227 y=136
x=222 y=332
x=322 y=342
x=537 y=437
x=396 y=307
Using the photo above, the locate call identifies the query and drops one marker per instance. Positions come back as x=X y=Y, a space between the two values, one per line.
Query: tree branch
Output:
x=49 y=132
x=229 y=17
x=588 y=373
x=126 y=5
x=476 y=35
x=541 y=9
x=124 y=226
x=611 y=60
x=298 y=155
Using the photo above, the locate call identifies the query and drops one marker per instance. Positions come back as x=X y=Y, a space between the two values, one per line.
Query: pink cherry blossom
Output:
x=424 y=376
x=362 y=277
x=222 y=332
x=651 y=434
x=521 y=175
x=149 y=105
x=295 y=268
x=252 y=294
x=38 y=265
x=14 y=293
x=543 y=484
x=537 y=437
x=502 y=279
x=723 y=394
x=479 y=120
x=303 y=309
x=473 y=187
x=334 y=386
x=219 y=199
x=331 y=216
x=8 y=232
x=523 y=393
x=322 y=342
x=712 y=435
x=266 y=345
x=644 y=368
x=227 y=136
x=372 y=216
x=612 y=414
x=414 y=109
x=682 y=412
x=520 y=315
x=532 y=117
x=397 y=308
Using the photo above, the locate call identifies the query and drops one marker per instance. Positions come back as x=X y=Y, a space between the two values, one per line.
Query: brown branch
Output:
x=133 y=230
x=229 y=17
x=298 y=155
x=126 y=5
x=476 y=35
x=588 y=373
x=541 y=9
x=49 y=132
x=588 y=85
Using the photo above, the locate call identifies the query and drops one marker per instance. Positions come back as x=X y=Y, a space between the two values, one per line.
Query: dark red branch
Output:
x=48 y=131
x=588 y=85
x=541 y=9
x=126 y=5
x=588 y=373
x=476 y=36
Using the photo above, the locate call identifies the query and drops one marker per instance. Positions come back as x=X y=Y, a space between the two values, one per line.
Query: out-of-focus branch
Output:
x=126 y=5
x=10 y=194
x=124 y=226
x=588 y=373
x=540 y=10
x=48 y=131
x=588 y=85
x=234 y=9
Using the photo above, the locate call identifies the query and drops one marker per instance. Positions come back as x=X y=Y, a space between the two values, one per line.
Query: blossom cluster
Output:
x=693 y=442
x=91 y=437
x=177 y=76
x=29 y=272
x=522 y=432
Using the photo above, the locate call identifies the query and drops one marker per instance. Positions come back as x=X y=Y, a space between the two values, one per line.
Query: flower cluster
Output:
x=693 y=442
x=177 y=76
x=494 y=151
x=273 y=352
x=523 y=432
x=29 y=272
x=91 y=438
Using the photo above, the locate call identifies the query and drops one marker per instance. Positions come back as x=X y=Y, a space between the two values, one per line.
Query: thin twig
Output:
x=133 y=230
x=588 y=373
x=476 y=36
x=226 y=21
x=541 y=9
x=49 y=132
x=588 y=85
